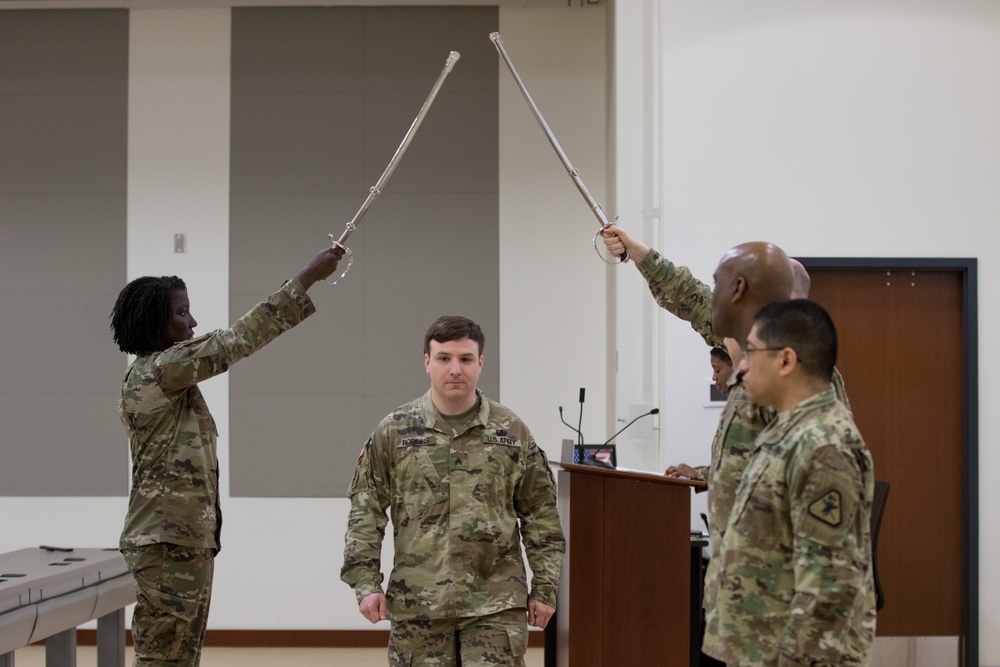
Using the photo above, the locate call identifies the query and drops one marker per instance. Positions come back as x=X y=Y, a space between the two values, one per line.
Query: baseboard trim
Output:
x=292 y=638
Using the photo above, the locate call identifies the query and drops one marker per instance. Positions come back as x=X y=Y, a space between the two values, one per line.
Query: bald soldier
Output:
x=794 y=566
x=466 y=485
x=747 y=278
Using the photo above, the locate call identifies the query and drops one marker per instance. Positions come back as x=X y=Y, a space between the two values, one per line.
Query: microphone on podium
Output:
x=591 y=459
x=579 y=425
x=579 y=433
x=579 y=436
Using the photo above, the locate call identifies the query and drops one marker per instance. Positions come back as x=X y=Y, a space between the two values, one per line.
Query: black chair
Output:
x=878 y=509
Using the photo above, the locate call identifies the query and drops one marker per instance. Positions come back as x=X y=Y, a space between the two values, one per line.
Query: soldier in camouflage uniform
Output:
x=172 y=529
x=722 y=369
x=465 y=484
x=748 y=277
x=795 y=578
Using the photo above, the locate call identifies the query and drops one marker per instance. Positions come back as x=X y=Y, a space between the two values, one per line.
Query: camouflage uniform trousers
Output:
x=478 y=641
x=173 y=589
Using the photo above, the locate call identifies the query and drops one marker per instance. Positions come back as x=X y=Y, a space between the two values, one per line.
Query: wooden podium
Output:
x=625 y=595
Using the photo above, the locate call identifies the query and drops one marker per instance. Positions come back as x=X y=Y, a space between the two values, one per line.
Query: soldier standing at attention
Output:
x=171 y=533
x=465 y=485
x=795 y=578
x=747 y=278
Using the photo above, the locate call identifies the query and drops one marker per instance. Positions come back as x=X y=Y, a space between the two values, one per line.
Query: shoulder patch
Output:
x=827 y=508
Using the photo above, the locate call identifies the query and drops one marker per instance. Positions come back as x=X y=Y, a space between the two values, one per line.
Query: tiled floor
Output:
x=86 y=656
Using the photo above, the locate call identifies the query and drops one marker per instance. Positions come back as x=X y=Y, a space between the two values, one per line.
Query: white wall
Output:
x=553 y=305
x=279 y=567
x=850 y=129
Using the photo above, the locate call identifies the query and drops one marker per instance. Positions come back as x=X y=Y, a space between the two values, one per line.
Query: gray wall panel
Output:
x=63 y=129
x=406 y=47
x=306 y=49
x=436 y=243
x=53 y=446
x=336 y=428
x=71 y=354
x=393 y=349
x=455 y=149
x=319 y=108
x=63 y=51
x=286 y=139
x=59 y=244
x=62 y=142
x=326 y=357
x=287 y=225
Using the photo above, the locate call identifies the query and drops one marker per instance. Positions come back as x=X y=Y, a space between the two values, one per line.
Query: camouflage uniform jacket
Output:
x=796 y=584
x=455 y=499
x=175 y=472
x=679 y=292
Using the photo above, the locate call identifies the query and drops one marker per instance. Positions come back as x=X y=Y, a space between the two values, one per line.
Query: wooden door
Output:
x=901 y=355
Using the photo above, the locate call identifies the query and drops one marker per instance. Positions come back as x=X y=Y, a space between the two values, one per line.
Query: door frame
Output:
x=967 y=267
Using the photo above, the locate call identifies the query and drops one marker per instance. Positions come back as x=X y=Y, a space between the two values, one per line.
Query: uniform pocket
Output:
x=518 y=638
x=418 y=482
x=163 y=623
x=398 y=658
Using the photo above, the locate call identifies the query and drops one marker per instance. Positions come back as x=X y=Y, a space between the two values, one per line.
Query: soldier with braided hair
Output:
x=172 y=528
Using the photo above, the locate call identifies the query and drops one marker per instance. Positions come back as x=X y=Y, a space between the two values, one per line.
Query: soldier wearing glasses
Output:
x=748 y=277
x=795 y=584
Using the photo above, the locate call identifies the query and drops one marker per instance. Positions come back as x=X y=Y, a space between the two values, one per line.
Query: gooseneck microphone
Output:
x=579 y=435
x=591 y=459
x=579 y=425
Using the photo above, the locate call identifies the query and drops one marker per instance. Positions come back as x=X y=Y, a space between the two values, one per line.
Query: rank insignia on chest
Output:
x=827 y=508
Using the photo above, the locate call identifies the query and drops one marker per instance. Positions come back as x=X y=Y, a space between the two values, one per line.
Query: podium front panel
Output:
x=627 y=580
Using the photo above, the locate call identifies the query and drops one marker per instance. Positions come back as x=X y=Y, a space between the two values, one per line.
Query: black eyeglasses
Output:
x=748 y=352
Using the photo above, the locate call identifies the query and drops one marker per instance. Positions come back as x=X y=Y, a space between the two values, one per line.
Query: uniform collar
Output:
x=787 y=419
x=433 y=419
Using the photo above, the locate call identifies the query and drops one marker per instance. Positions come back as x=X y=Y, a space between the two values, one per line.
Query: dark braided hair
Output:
x=142 y=311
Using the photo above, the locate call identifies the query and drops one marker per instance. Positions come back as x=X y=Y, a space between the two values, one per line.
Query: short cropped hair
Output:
x=804 y=326
x=142 y=311
x=453 y=327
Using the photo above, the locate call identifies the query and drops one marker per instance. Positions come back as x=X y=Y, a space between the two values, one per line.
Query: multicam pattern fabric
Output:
x=497 y=640
x=455 y=497
x=740 y=424
x=796 y=584
x=172 y=436
x=680 y=293
x=173 y=588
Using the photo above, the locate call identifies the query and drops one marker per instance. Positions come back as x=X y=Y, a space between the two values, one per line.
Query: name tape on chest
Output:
x=412 y=442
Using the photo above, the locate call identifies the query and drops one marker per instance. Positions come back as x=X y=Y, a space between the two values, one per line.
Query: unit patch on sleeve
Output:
x=827 y=507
